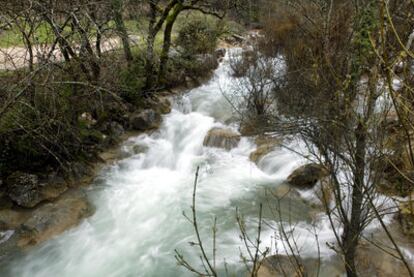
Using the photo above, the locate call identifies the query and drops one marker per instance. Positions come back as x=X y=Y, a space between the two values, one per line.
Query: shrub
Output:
x=199 y=36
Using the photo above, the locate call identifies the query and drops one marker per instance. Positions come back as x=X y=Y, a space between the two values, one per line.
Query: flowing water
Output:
x=140 y=200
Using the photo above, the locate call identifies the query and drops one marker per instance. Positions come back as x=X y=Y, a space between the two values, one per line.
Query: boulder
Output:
x=284 y=191
x=52 y=219
x=145 y=120
x=23 y=189
x=163 y=105
x=306 y=177
x=27 y=191
x=222 y=138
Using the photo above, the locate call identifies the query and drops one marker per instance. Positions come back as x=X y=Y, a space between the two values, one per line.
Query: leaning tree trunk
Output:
x=167 y=41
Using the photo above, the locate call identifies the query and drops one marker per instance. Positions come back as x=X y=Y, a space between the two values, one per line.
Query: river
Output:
x=141 y=198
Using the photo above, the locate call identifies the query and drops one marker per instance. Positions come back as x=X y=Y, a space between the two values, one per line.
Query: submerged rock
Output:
x=145 y=120
x=306 y=177
x=222 y=138
x=27 y=191
x=284 y=191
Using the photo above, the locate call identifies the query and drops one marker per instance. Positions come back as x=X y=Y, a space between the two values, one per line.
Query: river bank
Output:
x=37 y=206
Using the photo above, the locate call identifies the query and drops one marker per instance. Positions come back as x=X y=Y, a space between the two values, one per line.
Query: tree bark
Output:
x=167 y=40
x=353 y=230
x=121 y=30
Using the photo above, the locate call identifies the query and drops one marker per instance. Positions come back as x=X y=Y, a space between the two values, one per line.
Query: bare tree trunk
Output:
x=167 y=40
x=121 y=29
x=353 y=230
x=90 y=55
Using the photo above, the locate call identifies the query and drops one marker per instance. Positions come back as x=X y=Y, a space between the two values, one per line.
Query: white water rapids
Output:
x=139 y=200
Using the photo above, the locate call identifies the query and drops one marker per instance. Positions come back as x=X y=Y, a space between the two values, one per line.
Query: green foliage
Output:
x=199 y=36
x=132 y=81
x=13 y=36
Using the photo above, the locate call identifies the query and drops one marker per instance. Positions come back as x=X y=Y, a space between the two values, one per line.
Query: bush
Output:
x=199 y=36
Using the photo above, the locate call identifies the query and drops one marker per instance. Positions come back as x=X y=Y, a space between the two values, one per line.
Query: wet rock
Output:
x=220 y=53
x=248 y=129
x=285 y=191
x=12 y=219
x=79 y=170
x=145 y=120
x=163 y=105
x=264 y=147
x=23 y=189
x=114 y=129
x=8 y=243
x=222 y=138
x=139 y=148
x=52 y=219
x=306 y=177
x=50 y=191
